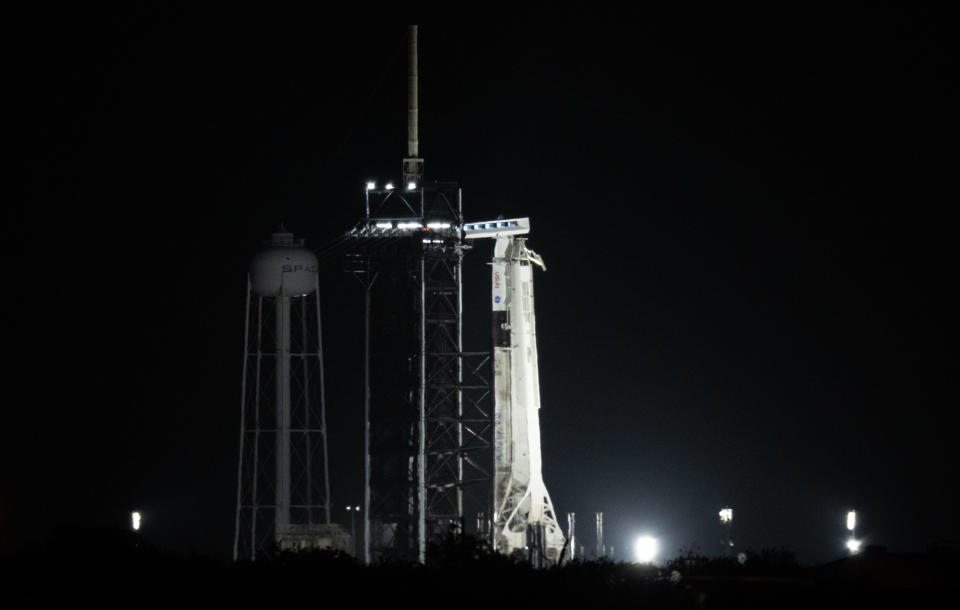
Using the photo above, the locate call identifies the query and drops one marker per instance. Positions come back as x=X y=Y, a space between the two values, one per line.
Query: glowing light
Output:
x=646 y=549
x=135 y=521
x=384 y=225
x=389 y=186
x=851 y=520
x=438 y=225
x=726 y=515
x=853 y=545
x=371 y=186
x=411 y=186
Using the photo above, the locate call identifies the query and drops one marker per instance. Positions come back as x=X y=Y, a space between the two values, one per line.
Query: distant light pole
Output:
x=726 y=522
x=853 y=545
x=600 y=547
x=353 y=510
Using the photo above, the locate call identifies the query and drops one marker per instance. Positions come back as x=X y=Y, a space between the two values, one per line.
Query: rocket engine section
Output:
x=524 y=517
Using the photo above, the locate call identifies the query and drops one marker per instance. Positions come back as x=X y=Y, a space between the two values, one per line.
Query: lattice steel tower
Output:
x=426 y=425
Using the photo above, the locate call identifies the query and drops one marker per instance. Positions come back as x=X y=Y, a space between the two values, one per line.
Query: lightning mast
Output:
x=524 y=520
x=413 y=163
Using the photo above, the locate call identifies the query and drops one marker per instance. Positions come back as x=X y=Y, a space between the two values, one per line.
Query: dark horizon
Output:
x=745 y=217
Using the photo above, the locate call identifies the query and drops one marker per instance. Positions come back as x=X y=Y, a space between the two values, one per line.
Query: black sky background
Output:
x=747 y=217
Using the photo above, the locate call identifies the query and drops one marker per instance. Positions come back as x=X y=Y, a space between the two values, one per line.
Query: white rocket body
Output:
x=524 y=517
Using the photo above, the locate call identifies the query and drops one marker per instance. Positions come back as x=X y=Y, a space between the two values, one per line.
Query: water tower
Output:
x=283 y=493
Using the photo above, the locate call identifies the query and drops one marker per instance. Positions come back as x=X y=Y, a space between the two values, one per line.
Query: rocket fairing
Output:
x=524 y=517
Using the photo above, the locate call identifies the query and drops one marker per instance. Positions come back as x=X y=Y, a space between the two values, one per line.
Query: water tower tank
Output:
x=284 y=267
x=283 y=493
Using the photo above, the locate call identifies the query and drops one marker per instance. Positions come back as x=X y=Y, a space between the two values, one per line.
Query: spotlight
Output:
x=647 y=548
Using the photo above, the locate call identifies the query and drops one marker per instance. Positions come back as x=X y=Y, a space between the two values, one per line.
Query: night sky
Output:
x=747 y=218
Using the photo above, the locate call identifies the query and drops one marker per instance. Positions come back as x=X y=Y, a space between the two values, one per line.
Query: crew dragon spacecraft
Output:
x=524 y=520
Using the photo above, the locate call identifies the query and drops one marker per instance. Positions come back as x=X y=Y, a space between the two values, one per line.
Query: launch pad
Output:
x=447 y=432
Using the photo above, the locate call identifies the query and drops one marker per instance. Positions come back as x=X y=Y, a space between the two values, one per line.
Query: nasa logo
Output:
x=496 y=299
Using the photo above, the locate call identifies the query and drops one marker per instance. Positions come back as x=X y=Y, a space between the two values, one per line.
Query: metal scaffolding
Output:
x=426 y=428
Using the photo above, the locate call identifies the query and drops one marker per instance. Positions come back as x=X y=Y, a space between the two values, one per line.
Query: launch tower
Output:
x=426 y=426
